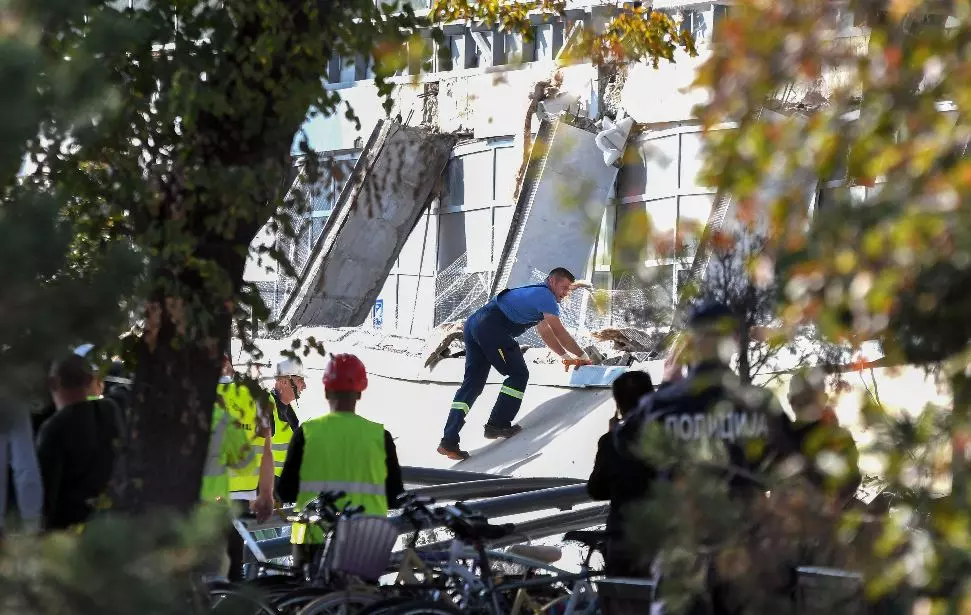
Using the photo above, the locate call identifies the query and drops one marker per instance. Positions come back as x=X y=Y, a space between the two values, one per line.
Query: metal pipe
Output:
x=432 y=476
x=541 y=528
x=493 y=487
x=563 y=498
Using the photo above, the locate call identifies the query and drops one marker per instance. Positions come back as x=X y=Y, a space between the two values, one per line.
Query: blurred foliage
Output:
x=154 y=143
x=116 y=566
x=879 y=116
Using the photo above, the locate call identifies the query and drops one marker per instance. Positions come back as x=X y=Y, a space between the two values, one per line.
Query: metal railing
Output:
x=493 y=496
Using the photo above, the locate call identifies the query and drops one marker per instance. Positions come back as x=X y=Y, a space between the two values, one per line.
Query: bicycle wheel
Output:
x=386 y=606
x=424 y=607
x=238 y=601
x=344 y=602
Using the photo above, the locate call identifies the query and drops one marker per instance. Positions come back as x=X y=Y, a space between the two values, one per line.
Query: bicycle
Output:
x=458 y=587
x=286 y=589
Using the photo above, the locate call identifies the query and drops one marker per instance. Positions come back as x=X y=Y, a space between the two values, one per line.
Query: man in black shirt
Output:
x=619 y=478
x=76 y=446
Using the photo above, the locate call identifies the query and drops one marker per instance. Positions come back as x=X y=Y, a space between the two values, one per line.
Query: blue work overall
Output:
x=490 y=341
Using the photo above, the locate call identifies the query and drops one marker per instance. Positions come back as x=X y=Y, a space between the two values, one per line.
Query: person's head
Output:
x=712 y=334
x=344 y=380
x=70 y=380
x=628 y=390
x=560 y=280
x=226 y=371
x=97 y=386
x=290 y=381
x=807 y=394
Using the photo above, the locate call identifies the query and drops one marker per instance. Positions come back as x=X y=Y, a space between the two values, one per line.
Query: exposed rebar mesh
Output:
x=301 y=221
x=459 y=292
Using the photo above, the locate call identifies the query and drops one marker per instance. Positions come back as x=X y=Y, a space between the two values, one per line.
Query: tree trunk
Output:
x=167 y=434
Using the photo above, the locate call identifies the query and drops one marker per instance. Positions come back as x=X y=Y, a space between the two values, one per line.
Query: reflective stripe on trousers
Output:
x=318 y=486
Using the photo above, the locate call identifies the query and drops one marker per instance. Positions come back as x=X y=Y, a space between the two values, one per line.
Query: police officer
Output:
x=340 y=451
x=709 y=420
x=490 y=341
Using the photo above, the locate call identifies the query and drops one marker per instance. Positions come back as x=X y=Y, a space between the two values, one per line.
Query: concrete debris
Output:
x=392 y=184
x=595 y=355
x=440 y=341
x=626 y=339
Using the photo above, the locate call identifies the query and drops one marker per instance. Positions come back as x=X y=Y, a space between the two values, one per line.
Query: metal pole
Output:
x=492 y=487
x=432 y=476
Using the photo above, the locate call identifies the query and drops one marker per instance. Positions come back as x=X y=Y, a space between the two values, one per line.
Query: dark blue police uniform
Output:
x=490 y=341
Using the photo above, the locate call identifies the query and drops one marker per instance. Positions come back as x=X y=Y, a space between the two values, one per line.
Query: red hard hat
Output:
x=345 y=373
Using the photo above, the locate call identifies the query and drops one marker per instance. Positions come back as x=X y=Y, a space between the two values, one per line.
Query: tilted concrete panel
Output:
x=560 y=206
x=382 y=201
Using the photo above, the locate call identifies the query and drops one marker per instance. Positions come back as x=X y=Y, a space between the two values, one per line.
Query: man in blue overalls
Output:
x=490 y=341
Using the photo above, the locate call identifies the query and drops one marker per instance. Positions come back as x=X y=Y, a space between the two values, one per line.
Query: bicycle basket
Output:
x=362 y=545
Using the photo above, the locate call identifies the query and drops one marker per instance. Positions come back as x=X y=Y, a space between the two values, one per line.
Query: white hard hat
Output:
x=290 y=367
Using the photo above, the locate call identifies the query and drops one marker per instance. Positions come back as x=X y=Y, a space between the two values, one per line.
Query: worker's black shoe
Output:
x=452 y=452
x=493 y=432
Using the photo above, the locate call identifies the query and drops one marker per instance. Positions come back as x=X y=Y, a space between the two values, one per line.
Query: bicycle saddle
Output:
x=590 y=538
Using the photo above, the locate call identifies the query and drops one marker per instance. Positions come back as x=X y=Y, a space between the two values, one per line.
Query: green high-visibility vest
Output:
x=342 y=452
x=241 y=406
x=228 y=447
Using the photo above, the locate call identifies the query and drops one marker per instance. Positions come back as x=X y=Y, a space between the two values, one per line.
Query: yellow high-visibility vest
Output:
x=342 y=452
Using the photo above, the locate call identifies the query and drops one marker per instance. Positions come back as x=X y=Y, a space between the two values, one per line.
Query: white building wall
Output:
x=470 y=221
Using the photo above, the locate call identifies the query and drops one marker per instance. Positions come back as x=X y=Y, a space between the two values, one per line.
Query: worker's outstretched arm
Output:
x=549 y=338
x=562 y=335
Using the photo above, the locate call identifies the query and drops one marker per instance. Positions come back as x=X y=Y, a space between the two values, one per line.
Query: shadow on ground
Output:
x=540 y=426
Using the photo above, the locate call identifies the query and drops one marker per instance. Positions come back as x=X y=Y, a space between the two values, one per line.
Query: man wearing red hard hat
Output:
x=340 y=451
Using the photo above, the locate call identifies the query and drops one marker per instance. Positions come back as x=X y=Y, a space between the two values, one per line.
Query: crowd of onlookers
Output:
x=58 y=462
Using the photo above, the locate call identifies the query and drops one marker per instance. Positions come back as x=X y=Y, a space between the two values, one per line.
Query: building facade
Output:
x=481 y=93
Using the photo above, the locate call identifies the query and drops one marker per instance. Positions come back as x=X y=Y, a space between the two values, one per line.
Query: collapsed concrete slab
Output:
x=393 y=182
x=560 y=206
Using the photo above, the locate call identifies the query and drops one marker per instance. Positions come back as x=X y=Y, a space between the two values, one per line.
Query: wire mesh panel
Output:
x=459 y=292
x=362 y=546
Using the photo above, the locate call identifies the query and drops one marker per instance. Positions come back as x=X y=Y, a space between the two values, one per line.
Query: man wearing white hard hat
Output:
x=287 y=388
x=288 y=385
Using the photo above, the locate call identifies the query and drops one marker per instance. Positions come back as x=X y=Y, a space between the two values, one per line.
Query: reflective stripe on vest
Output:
x=282 y=434
x=345 y=452
x=215 y=475
x=317 y=486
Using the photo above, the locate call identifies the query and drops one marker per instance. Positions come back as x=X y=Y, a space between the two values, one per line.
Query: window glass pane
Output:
x=630 y=237
x=477 y=240
x=544 y=42
x=632 y=178
x=478 y=171
x=691 y=160
x=693 y=213
x=663 y=217
x=507 y=167
x=348 y=71
x=454 y=194
x=661 y=165
x=451 y=238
